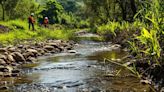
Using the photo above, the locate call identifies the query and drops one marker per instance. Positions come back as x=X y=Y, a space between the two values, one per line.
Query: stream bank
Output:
x=12 y=57
x=80 y=70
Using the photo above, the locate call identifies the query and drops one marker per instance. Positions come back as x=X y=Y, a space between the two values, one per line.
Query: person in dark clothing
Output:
x=31 y=21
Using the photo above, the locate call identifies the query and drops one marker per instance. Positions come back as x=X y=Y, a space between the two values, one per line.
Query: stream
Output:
x=83 y=71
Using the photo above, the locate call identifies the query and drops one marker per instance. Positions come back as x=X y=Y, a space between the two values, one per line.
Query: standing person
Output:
x=31 y=21
x=45 y=22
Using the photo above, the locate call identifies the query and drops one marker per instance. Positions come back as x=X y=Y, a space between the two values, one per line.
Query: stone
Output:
x=10 y=58
x=41 y=51
x=31 y=59
x=15 y=71
x=109 y=75
x=28 y=54
x=72 y=51
x=14 y=64
x=57 y=41
x=3 y=57
x=14 y=74
x=145 y=82
x=32 y=51
x=12 y=49
x=7 y=75
x=4 y=88
x=18 y=57
x=55 y=45
x=1 y=74
x=116 y=46
x=61 y=48
x=9 y=68
x=20 y=46
x=2 y=62
x=68 y=48
x=6 y=68
x=49 y=48
x=3 y=50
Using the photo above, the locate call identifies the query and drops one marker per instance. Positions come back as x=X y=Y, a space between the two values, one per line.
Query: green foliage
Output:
x=69 y=5
x=24 y=8
x=111 y=27
x=19 y=32
x=149 y=39
x=68 y=19
x=53 y=9
x=18 y=9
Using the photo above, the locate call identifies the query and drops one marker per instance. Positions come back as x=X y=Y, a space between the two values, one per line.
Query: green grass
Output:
x=112 y=27
x=19 y=32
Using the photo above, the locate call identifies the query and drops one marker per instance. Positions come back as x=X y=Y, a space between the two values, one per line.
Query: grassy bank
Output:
x=18 y=32
x=145 y=44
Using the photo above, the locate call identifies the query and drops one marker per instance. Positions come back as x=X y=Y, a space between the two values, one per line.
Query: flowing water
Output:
x=83 y=71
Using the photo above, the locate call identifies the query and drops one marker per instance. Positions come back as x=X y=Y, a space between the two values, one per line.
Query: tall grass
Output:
x=19 y=31
x=145 y=34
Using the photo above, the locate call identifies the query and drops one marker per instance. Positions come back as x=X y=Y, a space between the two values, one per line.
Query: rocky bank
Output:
x=13 y=56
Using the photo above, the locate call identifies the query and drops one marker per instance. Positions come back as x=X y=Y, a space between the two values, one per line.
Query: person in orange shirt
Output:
x=31 y=21
x=45 y=22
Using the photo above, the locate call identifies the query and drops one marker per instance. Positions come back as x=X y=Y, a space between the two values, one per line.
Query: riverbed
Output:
x=82 y=70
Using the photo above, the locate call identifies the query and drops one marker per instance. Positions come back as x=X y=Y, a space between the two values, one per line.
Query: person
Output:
x=31 y=21
x=45 y=22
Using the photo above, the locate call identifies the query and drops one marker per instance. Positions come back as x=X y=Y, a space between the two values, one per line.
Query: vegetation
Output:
x=20 y=32
x=135 y=24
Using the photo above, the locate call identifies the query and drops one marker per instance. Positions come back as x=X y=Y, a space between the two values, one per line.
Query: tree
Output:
x=52 y=10
x=2 y=2
x=109 y=10
x=23 y=9
x=17 y=9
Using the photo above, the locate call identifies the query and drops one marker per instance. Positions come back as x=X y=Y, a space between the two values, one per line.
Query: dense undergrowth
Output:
x=144 y=39
x=18 y=32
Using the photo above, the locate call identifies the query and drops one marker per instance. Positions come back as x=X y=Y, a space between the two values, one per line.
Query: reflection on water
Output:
x=81 y=72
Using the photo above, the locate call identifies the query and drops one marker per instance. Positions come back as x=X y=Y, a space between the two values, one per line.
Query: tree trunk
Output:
x=133 y=7
x=123 y=10
x=3 y=12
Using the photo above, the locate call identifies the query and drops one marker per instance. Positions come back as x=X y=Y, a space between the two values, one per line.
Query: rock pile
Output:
x=12 y=56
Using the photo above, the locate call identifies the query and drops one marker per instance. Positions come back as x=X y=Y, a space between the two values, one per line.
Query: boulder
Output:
x=14 y=74
x=7 y=74
x=31 y=59
x=64 y=44
x=18 y=57
x=35 y=52
x=55 y=45
x=116 y=46
x=4 y=88
x=3 y=69
x=72 y=51
x=68 y=48
x=16 y=71
x=12 y=49
x=1 y=74
x=145 y=82
x=57 y=41
x=3 y=57
x=3 y=50
x=28 y=54
x=49 y=48
x=20 y=46
x=9 y=68
x=41 y=52
x=10 y=58
x=2 y=62
x=6 y=68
